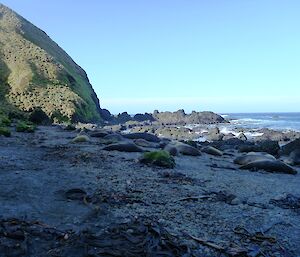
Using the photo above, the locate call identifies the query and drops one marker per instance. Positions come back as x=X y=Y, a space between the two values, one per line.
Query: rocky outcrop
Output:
x=181 y=118
x=165 y=118
x=36 y=72
x=143 y=117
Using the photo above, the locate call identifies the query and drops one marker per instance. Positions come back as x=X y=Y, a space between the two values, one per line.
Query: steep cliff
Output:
x=36 y=72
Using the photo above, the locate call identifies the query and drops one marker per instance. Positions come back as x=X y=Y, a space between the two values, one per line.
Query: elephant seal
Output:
x=295 y=157
x=171 y=149
x=144 y=143
x=273 y=166
x=176 y=147
x=143 y=135
x=212 y=151
x=186 y=149
x=252 y=157
x=123 y=147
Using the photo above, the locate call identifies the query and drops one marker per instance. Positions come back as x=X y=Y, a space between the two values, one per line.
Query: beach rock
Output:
x=123 y=147
x=252 y=157
x=212 y=151
x=273 y=166
x=290 y=147
x=146 y=136
x=186 y=149
x=271 y=147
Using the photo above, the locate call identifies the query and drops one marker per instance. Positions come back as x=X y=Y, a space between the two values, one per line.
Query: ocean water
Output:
x=276 y=121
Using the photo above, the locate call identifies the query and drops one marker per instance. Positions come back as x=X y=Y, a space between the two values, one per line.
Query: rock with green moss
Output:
x=4 y=131
x=36 y=72
x=158 y=158
x=23 y=126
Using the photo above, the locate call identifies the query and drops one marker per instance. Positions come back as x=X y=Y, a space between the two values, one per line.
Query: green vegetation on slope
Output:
x=73 y=75
x=36 y=72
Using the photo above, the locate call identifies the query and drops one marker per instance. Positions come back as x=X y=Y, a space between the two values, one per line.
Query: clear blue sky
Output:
x=224 y=56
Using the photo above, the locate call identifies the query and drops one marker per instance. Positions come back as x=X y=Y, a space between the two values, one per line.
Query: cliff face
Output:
x=36 y=72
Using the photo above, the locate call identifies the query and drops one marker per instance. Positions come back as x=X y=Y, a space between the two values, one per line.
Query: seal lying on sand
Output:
x=212 y=151
x=295 y=157
x=270 y=166
x=182 y=148
x=123 y=147
x=252 y=157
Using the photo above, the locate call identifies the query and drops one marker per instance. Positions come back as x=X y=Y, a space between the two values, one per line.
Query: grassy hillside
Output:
x=36 y=72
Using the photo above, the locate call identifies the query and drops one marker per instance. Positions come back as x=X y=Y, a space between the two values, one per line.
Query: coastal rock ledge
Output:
x=168 y=118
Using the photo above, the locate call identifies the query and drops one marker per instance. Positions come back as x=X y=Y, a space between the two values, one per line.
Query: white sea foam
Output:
x=200 y=139
x=253 y=134
x=227 y=131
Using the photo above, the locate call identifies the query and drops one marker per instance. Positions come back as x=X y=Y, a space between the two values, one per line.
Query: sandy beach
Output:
x=76 y=187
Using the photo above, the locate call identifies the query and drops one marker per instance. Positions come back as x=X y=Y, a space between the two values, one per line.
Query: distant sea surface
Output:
x=276 y=121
